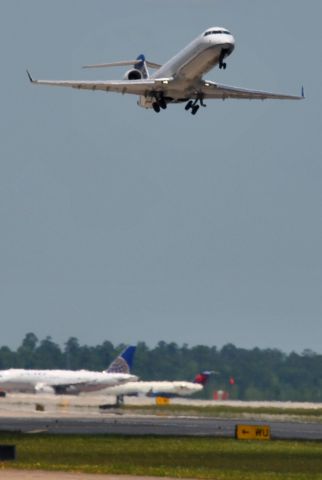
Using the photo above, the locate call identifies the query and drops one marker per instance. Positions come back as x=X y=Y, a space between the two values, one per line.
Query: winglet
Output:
x=302 y=92
x=29 y=76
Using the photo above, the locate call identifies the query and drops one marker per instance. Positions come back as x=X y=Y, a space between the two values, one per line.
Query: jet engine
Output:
x=133 y=74
x=43 y=388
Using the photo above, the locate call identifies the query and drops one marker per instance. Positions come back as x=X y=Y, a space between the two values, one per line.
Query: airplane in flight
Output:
x=179 y=80
x=161 y=388
x=70 y=381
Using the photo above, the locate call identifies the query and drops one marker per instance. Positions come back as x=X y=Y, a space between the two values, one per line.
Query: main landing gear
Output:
x=159 y=102
x=193 y=105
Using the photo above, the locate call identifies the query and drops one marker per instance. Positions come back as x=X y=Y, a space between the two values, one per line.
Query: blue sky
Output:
x=120 y=224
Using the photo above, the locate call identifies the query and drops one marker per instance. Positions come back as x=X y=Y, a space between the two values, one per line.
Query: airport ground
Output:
x=21 y=405
x=34 y=415
x=176 y=457
x=140 y=416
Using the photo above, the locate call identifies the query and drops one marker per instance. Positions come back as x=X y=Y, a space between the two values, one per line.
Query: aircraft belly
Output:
x=24 y=387
x=200 y=64
x=188 y=69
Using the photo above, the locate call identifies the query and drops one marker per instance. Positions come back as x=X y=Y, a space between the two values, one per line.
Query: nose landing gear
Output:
x=223 y=54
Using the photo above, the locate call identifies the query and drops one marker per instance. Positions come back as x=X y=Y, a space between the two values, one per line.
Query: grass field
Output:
x=182 y=457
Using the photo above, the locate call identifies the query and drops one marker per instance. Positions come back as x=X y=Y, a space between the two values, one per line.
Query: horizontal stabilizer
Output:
x=121 y=64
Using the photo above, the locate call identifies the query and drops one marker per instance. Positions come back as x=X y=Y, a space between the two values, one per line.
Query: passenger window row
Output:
x=216 y=32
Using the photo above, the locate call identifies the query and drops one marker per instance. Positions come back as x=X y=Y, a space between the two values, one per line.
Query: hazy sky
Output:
x=121 y=224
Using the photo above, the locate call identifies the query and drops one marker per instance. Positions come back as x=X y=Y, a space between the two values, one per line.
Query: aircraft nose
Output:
x=228 y=47
x=225 y=41
x=232 y=43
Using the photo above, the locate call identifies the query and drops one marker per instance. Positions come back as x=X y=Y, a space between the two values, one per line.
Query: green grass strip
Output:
x=181 y=457
x=225 y=411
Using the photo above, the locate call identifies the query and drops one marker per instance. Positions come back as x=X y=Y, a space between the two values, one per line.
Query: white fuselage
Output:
x=155 y=388
x=80 y=380
x=190 y=64
x=198 y=57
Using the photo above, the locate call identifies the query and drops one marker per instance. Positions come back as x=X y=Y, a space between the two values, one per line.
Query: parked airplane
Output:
x=179 y=80
x=165 y=389
x=162 y=388
x=70 y=381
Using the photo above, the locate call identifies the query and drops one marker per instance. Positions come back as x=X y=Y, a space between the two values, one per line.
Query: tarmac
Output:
x=81 y=415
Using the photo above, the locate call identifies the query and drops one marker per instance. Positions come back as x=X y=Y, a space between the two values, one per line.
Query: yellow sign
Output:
x=253 y=432
x=162 y=400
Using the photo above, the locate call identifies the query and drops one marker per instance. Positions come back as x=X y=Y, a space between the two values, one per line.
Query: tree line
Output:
x=256 y=374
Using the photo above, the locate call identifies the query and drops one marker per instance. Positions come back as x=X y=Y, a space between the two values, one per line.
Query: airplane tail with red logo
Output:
x=202 y=378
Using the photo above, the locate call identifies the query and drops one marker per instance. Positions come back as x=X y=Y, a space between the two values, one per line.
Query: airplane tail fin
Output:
x=202 y=378
x=123 y=363
x=142 y=66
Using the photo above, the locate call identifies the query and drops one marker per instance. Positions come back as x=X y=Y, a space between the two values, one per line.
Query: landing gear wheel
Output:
x=156 y=107
x=189 y=105
x=194 y=109
x=163 y=103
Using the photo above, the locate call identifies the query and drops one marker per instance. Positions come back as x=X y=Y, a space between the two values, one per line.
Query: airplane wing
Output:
x=218 y=91
x=135 y=87
x=147 y=87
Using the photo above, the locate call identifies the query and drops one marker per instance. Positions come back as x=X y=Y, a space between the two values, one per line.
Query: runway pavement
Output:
x=80 y=415
x=149 y=425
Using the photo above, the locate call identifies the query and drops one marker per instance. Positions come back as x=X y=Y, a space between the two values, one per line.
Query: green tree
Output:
x=48 y=355
x=8 y=358
x=26 y=352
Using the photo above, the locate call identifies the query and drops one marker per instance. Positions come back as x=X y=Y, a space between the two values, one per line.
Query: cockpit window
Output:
x=216 y=32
